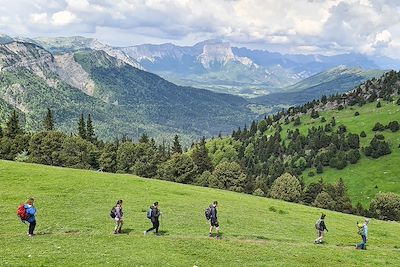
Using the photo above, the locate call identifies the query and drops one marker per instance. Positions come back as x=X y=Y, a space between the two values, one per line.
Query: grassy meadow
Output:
x=74 y=227
x=369 y=176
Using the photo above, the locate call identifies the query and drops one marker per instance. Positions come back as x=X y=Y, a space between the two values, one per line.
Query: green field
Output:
x=369 y=176
x=74 y=227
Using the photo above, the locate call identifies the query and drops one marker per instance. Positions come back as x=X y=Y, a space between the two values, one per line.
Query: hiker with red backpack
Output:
x=320 y=227
x=27 y=213
x=153 y=214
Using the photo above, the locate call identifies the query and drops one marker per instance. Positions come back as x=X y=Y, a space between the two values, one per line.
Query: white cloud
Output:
x=324 y=26
x=63 y=18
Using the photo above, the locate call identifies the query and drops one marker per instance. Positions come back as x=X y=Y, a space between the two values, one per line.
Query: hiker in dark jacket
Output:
x=118 y=217
x=214 y=220
x=155 y=214
x=321 y=227
x=31 y=211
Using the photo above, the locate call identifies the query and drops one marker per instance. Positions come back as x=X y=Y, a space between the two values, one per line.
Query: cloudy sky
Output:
x=290 y=26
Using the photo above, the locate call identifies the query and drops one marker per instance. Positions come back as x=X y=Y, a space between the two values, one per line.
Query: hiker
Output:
x=118 y=217
x=320 y=227
x=31 y=215
x=153 y=214
x=214 y=220
x=363 y=231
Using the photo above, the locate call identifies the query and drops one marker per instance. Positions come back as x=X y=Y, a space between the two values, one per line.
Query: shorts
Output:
x=214 y=224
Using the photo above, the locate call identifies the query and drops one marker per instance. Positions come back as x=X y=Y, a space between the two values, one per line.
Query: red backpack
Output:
x=21 y=212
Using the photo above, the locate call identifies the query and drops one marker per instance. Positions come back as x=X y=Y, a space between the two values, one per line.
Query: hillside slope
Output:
x=369 y=176
x=337 y=80
x=74 y=227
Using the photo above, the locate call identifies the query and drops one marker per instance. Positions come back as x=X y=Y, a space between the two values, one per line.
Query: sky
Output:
x=327 y=27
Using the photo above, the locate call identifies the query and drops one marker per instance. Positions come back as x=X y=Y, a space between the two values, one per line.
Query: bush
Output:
x=379 y=105
x=398 y=101
x=324 y=201
x=340 y=107
x=386 y=206
x=393 y=126
x=286 y=187
x=363 y=134
x=259 y=192
x=323 y=119
x=297 y=122
x=378 y=127
x=311 y=174
x=357 y=113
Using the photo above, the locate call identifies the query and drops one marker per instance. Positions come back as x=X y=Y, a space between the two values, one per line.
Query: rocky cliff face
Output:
x=72 y=73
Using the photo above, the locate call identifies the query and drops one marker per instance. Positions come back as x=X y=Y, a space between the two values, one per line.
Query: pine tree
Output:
x=201 y=158
x=144 y=138
x=90 y=134
x=82 y=127
x=48 y=122
x=176 y=146
x=12 y=126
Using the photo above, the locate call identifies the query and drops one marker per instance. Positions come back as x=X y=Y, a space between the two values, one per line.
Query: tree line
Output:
x=249 y=161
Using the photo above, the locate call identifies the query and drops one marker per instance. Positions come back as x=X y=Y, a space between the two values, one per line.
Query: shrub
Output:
x=363 y=134
x=324 y=201
x=311 y=174
x=393 y=126
x=378 y=127
x=379 y=105
x=259 y=192
x=286 y=187
x=357 y=113
x=340 y=107
x=386 y=206
x=323 y=119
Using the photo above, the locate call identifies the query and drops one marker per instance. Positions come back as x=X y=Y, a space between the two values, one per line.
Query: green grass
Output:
x=74 y=227
x=369 y=176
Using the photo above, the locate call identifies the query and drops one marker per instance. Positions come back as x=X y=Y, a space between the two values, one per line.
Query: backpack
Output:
x=21 y=213
x=150 y=213
x=360 y=230
x=318 y=224
x=112 y=213
x=207 y=213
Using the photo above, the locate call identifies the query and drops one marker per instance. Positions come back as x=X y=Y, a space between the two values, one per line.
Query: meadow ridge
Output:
x=368 y=176
x=75 y=229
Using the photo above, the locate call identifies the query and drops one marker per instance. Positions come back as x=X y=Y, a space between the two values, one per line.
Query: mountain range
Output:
x=74 y=75
x=122 y=99
x=218 y=66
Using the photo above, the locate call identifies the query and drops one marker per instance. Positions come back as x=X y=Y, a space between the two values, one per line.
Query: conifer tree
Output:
x=90 y=134
x=176 y=146
x=12 y=126
x=48 y=122
x=82 y=127
x=144 y=138
x=201 y=158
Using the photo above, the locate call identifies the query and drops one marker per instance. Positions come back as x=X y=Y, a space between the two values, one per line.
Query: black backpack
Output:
x=207 y=213
x=112 y=213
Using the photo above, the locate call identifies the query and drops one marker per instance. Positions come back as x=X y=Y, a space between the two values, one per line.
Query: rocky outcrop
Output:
x=72 y=73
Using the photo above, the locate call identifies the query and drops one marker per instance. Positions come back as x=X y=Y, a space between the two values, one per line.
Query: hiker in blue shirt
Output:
x=31 y=211
x=364 y=235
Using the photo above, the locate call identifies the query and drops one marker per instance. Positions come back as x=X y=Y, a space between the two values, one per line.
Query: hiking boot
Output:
x=218 y=237
x=115 y=232
x=158 y=234
x=30 y=235
x=145 y=233
x=209 y=235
